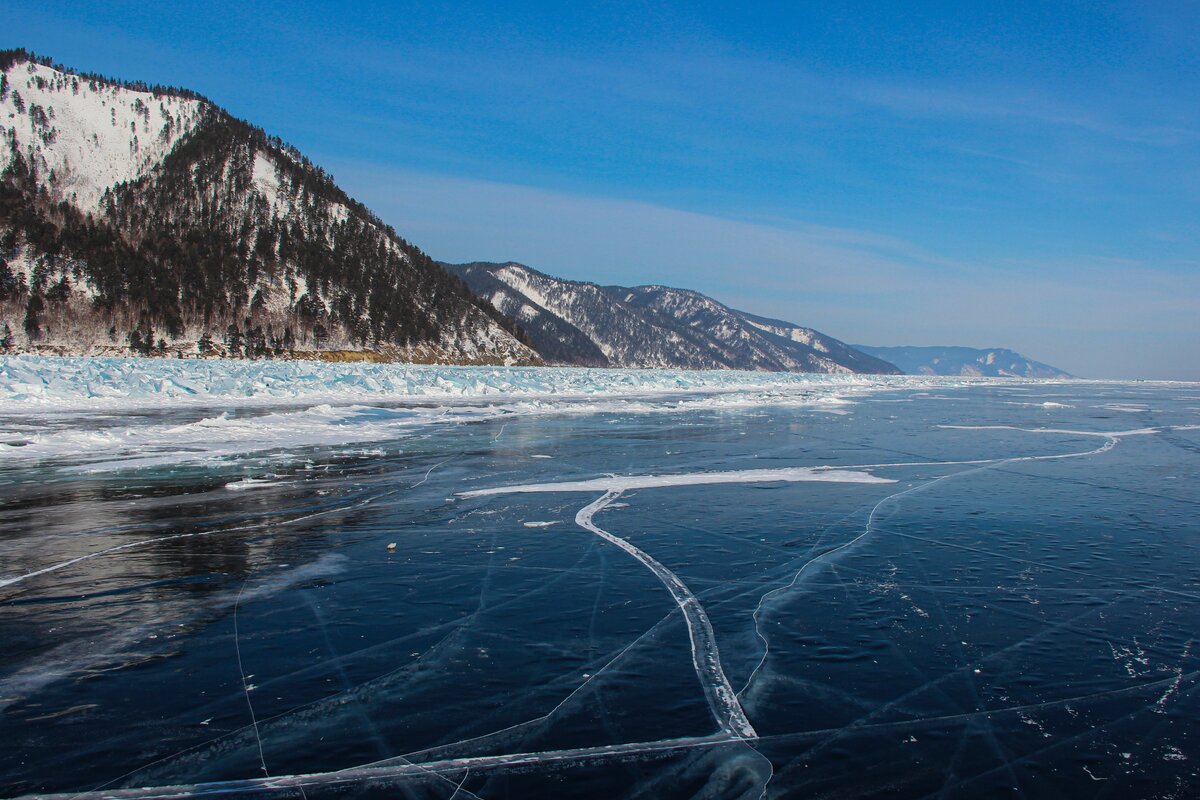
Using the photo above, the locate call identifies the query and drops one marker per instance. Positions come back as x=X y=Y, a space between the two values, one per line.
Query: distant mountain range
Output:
x=995 y=362
x=585 y=324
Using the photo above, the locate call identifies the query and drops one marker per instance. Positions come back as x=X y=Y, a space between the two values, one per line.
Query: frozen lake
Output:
x=602 y=584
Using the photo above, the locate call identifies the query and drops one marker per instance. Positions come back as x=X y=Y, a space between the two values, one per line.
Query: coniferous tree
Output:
x=33 y=327
x=60 y=291
x=233 y=341
x=8 y=281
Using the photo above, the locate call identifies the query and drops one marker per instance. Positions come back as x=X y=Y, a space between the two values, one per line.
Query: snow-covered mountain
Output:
x=995 y=362
x=578 y=323
x=137 y=219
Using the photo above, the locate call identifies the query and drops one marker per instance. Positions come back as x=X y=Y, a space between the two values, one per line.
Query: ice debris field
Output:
x=45 y=383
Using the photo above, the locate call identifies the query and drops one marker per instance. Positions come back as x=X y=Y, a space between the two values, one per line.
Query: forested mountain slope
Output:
x=584 y=324
x=137 y=219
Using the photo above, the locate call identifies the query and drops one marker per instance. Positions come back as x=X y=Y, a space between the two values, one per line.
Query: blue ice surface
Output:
x=204 y=597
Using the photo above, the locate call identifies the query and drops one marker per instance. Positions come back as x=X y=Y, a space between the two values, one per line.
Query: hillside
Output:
x=146 y=220
x=993 y=362
x=584 y=324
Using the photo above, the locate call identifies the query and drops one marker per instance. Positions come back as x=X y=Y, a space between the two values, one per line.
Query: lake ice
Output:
x=603 y=583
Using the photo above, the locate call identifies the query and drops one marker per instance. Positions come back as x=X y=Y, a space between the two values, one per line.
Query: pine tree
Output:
x=33 y=307
x=59 y=291
x=8 y=281
x=233 y=341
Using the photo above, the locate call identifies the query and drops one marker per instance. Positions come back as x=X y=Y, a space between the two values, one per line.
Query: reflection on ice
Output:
x=156 y=633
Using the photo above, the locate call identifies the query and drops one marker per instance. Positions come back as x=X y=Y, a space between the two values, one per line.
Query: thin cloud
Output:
x=1018 y=105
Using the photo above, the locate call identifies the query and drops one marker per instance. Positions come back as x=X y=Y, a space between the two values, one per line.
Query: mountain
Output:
x=585 y=324
x=995 y=362
x=139 y=219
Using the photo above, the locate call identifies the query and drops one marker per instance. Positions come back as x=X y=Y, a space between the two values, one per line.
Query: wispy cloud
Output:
x=1018 y=104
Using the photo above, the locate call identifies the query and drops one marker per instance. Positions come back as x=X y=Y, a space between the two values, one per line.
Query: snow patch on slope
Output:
x=84 y=137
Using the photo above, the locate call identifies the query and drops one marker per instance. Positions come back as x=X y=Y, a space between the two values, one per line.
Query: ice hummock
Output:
x=225 y=409
x=33 y=383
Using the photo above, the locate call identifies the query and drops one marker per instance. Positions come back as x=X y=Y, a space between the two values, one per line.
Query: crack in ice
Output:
x=706 y=658
x=723 y=701
x=1111 y=440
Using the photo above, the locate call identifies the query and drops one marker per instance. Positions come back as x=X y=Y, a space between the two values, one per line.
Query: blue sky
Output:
x=1021 y=174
